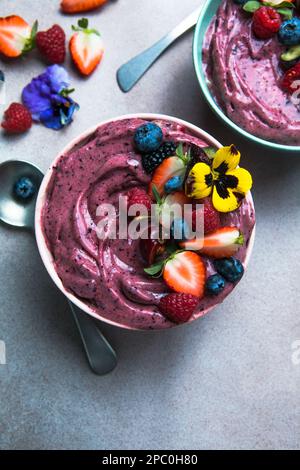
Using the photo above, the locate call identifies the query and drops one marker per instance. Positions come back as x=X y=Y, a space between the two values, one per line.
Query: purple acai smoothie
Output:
x=244 y=76
x=109 y=275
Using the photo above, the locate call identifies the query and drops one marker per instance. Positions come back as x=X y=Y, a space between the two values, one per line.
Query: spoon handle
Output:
x=101 y=356
x=131 y=72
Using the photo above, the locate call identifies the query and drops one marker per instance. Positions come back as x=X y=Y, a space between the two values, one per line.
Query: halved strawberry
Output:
x=86 y=47
x=186 y=272
x=222 y=243
x=172 y=166
x=16 y=36
x=172 y=207
x=76 y=6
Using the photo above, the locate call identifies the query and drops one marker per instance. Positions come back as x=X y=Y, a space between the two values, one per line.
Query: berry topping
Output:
x=17 y=119
x=172 y=166
x=215 y=284
x=222 y=243
x=178 y=307
x=231 y=269
x=24 y=188
x=289 y=32
x=174 y=184
x=148 y=137
x=180 y=230
x=151 y=249
x=211 y=217
x=52 y=44
x=86 y=47
x=290 y=77
x=77 y=6
x=266 y=22
x=185 y=272
x=152 y=160
x=16 y=36
x=139 y=196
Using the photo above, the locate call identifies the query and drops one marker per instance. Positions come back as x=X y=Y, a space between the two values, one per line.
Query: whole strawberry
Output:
x=52 y=44
x=266 y=22
x=178 y=307
x=17 y=119
x=211 y=217
x=139 y=196
x=289 y=79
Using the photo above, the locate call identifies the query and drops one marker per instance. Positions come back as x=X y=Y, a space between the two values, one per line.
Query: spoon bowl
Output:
x=14 y=211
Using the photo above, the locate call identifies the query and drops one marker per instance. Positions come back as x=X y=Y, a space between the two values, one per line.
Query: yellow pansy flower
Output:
x=227 y=183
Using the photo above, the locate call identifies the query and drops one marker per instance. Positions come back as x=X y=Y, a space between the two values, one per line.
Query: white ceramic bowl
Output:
x=41 y=242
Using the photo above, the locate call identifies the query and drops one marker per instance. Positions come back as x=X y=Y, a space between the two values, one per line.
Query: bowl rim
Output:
x=41 y=198
x=198 y=64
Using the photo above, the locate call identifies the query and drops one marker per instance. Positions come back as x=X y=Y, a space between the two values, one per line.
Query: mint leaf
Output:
x=287 y=13
x=278 y=4
x=291 y=54
x=155 y=269
x=156 y=195
x=251 y=6
x=210 y=152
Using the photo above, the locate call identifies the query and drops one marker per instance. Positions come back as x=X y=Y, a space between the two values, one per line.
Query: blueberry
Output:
x=24 y=188
x=215 y=284
x=174 y=184
x=289 y=32
x=148 y=137
x=180 y=230
x=230 y=268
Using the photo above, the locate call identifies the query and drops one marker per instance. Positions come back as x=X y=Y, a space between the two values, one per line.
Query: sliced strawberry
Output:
x=77 y=6
x=16 y=36
x=186 y=272
x=86 y=47
x=170 y=205
x=222 y=243
x=173 y=166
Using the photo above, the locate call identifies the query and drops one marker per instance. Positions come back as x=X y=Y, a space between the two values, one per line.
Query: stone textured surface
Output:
x=227 y=381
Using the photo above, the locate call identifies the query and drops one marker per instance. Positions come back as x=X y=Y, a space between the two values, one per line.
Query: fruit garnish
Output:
x=227 y=183
x=230 y=268
x=24 y=188
x=52 y=44
x=266 y=22
x=148 y=137
x=289 y=32
x=86 y=47
x=173 y=184
x=152 y=160
x=180 y=230
x=178 y=307
x=169 y=207
x=291 y=54
x=17 y=119
x=172 y=166
x=139 y=196
x=211 y=217
x=290 y=77
x=185 y=272
x=77 y=6
x=215 y=284
x=16 y=36
x=222 y=243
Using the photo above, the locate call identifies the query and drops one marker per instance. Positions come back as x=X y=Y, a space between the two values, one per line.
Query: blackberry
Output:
x=154 y=159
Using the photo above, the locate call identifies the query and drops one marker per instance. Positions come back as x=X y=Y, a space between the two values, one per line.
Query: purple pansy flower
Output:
x=47 y=98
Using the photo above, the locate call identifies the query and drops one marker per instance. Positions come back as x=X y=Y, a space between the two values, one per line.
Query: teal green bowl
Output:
x=207 y=13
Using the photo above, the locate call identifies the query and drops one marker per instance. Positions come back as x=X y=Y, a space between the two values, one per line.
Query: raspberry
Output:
x=152 y=160
x=290 y=77
x=211 y=217
x=178 y=307
x=17 y=119
x=52 y=44
x=266 y=22
x=139 y=196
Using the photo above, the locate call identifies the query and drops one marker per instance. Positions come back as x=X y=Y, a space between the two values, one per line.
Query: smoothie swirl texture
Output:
x=108 y=275
x=244 y=76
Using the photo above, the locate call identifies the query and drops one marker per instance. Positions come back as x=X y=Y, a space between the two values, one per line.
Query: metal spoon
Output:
x=102 y=358
x=131 y=72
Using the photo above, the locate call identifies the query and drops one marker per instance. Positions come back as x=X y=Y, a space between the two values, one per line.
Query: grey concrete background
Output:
x=227 y=381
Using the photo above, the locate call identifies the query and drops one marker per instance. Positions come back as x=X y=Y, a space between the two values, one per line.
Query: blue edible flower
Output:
x=47 y=98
